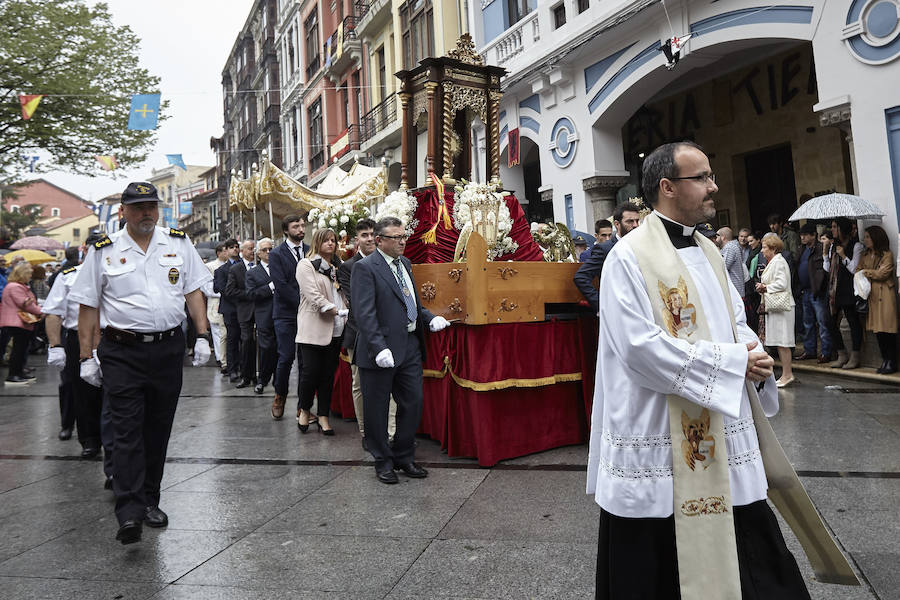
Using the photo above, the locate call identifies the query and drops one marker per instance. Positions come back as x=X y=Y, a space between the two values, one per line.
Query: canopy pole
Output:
x=255 y=230
x=271 y=222
x=242 y=224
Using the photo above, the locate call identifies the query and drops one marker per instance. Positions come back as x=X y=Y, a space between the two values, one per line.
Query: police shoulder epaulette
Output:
x=104 y=241
x=176 y=232
x=69 y=270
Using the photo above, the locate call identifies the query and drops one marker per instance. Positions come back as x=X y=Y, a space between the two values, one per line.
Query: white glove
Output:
x=56 y=357
x=201 y=352
x=343 y=312
x=438 y=323
x=385 y=359
x=90 y=371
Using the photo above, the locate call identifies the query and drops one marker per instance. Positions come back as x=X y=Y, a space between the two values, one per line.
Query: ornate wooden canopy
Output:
x=451 y=90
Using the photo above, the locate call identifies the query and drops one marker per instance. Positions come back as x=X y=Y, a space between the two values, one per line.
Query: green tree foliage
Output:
x=14 y=224
x=89 y=69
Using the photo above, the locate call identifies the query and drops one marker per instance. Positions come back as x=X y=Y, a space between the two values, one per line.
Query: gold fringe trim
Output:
x=500 y=384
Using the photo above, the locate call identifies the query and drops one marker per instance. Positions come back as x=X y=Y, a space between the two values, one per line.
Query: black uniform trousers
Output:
x=248 y=349
x=404 y=381
x=637 y=560
x=141 y=383
x=68 y=411
x=87 y=400
x=232 y=343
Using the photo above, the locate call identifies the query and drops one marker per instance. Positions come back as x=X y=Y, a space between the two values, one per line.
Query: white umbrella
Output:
x=835 y=205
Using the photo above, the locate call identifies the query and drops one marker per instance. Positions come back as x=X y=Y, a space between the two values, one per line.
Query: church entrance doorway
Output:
x=770 y=185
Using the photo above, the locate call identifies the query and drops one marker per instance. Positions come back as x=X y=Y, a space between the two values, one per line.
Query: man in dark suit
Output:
x=260 y=288
x=365 y=245
x=390 y=348
x=229 y=311
x=813 y=296
x=626 y=217
x=283 y=270
x=236 y=291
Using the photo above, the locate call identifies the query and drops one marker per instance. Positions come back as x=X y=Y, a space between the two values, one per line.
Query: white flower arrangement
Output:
x=469 y=208
x=346 y=212
x=402 y=205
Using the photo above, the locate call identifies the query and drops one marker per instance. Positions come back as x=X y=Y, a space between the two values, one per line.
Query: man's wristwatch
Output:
x=81 y=360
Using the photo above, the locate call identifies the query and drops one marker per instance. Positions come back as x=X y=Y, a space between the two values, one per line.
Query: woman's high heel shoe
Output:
x=322 y=430
x=304 y=428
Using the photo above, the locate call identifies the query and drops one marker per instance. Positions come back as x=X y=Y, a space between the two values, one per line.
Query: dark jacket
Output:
x=283 y=265
x=381 y=311
x=257 y=283
x=818 y=278
x=220 y=280
x=236 y=292
x=344 y=273
x=593 y=267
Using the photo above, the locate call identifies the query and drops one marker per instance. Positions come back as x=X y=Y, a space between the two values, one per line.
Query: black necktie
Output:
x=297 y=252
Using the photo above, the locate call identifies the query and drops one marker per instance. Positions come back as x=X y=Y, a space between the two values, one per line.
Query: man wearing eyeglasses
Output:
x=260 y=289
x=675 y=462
x=390 y=348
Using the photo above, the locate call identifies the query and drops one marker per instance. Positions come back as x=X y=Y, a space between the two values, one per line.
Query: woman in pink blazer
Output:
x=320 y=326
x=18 y=297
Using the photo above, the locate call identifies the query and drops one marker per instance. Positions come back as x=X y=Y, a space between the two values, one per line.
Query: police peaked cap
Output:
x=139 y=191
x=706 y=229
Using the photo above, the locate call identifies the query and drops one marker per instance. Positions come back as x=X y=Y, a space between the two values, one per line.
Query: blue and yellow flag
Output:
x=144 y=111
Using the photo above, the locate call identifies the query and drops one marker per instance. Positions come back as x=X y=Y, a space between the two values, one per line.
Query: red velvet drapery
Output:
x=502 y=391
x=427 y=213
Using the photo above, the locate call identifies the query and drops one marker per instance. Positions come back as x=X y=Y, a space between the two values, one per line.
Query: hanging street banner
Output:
x=185 y=208
x=177 y=160
x=107 y=162
x=144 y=111
x=29 y=104
x=168 y=218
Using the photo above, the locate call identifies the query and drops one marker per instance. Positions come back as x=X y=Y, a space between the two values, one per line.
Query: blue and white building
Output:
x=788 y=99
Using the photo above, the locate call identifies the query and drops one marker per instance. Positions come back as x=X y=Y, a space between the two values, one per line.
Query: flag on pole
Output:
x=185 y=208
x=144 y=111
x=29 y=104
x=177 y=160
x=107 y=162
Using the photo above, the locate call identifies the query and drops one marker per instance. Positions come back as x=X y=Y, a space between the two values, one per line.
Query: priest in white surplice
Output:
x=645 y=360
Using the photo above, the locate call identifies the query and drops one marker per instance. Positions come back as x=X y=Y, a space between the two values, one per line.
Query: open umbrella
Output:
x=35 y=257
x=37 y=242
x=835 y=205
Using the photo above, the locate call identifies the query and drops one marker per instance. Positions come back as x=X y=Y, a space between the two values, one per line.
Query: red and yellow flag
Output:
x=29 y=104
x=107 y=162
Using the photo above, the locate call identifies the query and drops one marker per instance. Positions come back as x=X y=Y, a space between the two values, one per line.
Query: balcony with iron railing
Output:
x=342 y=49
x=346 y=141
x=371 y=15
x=379 y=118
x=515 y=41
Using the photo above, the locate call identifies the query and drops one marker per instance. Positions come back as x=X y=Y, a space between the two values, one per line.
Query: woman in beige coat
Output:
x=320 y=325
x=877 y=264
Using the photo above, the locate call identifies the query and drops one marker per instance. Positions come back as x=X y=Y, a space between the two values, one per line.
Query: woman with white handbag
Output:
x=775 y=286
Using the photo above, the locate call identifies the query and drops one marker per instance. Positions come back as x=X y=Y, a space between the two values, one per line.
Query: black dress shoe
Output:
x=387 y=476
x=129 y=532
x=889 y=367
x=107 y=485
x=224 y=370
x=65 y=433
x=89 y=451
x=413 y=470
x=17 y=380
x=244 y=383
x=259 y=388
x=154 y=517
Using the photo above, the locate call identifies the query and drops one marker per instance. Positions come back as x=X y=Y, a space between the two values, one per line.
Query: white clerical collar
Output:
x=685 y=230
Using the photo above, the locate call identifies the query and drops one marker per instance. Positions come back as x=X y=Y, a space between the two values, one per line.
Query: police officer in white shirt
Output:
x=62 y=335
x=135 y=285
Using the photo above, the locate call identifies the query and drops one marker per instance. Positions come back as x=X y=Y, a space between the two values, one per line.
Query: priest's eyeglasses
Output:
x=705 y=178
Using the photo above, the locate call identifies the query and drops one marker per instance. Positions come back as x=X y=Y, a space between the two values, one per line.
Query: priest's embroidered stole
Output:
x=704 y=523
x=704 y=527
